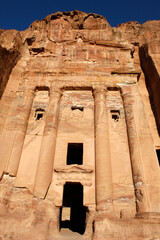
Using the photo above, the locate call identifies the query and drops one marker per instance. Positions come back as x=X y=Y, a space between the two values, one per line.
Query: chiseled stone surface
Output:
x=72 y=78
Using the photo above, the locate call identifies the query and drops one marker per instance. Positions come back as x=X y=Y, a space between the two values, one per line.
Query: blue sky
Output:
x=19 y=14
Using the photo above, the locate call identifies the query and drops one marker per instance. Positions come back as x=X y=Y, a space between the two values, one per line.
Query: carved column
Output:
x=145 y=168
x=46 y=157
x=104 y=191
x=15 y=130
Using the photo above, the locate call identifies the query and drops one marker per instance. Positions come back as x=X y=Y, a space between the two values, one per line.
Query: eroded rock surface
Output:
x=80 y=110
x=10 y=44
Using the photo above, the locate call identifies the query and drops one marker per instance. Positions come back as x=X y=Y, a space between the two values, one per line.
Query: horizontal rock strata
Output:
x=79 y=129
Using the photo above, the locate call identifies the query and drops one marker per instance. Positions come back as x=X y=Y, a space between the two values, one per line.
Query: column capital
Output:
x=99 y=90
x=30 y=92
x=126 y=90
x=26 y=91
x=54 y=91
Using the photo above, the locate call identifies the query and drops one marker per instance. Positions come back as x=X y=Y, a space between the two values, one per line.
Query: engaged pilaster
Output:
x=46 y=157
x=104 y=188
x=15 y=130
x=145 y=168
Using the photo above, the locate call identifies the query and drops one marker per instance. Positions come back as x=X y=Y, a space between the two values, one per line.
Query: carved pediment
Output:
x=73 y=168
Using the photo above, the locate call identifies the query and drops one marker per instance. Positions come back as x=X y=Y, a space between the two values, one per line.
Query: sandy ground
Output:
x=67 y=234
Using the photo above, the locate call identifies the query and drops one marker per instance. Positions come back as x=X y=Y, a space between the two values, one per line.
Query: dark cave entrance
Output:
x=73 y=213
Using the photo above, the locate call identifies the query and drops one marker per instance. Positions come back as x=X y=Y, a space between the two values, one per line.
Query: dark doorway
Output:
x=158 y=155
x=73 y=199
x=75 y=153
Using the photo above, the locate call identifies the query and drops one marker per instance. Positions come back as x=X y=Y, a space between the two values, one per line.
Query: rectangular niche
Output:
x=39 y=114
x=115 y=114
x=75 y=153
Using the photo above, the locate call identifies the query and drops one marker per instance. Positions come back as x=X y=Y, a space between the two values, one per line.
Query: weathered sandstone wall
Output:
x=73 y=79
x=10 y=44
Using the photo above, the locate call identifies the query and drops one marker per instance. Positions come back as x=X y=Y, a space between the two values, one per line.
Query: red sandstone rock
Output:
x=10 y=43
x=72 y=83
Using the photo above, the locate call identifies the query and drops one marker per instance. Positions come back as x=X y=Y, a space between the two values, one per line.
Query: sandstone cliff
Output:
x=54 y=78
x=10 y=43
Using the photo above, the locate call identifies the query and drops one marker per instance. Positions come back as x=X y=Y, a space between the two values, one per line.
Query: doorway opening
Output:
x=73 y=213
x=75 y=153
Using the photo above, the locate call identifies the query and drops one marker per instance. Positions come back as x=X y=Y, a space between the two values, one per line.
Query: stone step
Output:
x=67 y=234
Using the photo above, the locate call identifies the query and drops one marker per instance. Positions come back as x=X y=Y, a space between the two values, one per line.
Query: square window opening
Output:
x=39 y=114
x=75 y=153
x=115 y=114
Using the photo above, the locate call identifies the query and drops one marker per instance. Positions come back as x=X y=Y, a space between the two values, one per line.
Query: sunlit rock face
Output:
x=79 y=129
